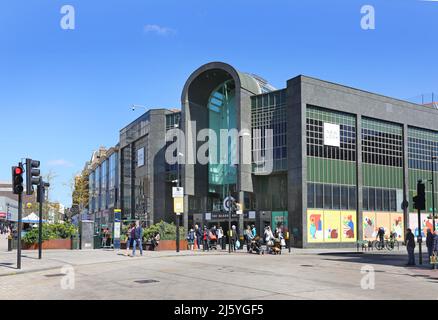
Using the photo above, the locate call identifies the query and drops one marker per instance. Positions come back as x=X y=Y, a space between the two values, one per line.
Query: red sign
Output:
x=3 y=215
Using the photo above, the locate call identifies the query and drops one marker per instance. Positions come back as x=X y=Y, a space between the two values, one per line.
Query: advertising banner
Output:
x=331 y=226
x=348 y=222
x=315 y=225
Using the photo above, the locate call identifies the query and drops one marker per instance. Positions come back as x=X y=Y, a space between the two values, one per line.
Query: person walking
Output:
x=248 y=237
x=129 y=242
x=233 y=238
x=220 y=237
x=138 y=239
x=191 y=239
x=435 y=246
x=410 y=245
x=429 y=243
x=199 y=236
x=205 y=238
x=254 y=231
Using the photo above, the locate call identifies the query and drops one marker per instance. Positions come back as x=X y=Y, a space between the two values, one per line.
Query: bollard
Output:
x=9 y=244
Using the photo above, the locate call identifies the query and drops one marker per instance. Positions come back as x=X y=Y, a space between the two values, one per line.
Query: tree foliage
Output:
x=81 y=191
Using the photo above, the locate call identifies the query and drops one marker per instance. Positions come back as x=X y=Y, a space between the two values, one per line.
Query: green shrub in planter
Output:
x=167 y=231
x=51 y=232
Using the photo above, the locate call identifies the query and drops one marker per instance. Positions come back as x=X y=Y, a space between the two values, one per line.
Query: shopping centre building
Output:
x=343 y=162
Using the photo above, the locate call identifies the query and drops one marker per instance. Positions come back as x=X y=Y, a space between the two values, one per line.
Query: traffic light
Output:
x=32 y=175
x=420 y=198
x=17 y=179
x=41 y=190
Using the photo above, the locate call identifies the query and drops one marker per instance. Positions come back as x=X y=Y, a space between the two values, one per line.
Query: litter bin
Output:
x=97 y=241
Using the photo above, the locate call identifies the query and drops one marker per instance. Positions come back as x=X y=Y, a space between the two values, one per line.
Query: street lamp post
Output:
x=433 y=158
x=178 y=179
x=136 y=106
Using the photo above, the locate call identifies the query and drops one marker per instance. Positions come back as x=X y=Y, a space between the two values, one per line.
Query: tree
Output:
x=80 y=192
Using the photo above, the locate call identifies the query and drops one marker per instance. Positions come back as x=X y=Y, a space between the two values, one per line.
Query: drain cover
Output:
x=146 y=281
x=307 y=266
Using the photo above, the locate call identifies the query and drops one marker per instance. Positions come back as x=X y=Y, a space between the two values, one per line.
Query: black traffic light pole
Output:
x=17 y=185
x=420 y=204
x=40 y=230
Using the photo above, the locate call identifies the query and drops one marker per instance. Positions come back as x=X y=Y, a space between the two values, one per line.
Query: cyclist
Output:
x=381 y=236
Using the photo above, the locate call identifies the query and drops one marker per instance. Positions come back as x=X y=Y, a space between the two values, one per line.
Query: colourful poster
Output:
x=332 y=226
x=369 y=226
x=383 y=219
x=425 y=223
x=397 y=225
x=348 y=225
x=315 y=221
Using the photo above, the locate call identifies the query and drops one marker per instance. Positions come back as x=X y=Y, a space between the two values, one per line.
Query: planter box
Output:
x=58 y=244
x=170 y=245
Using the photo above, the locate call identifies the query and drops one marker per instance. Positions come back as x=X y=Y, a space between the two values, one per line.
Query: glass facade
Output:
x=104 y=185
x=268 y=112
x=126 y=181
x=222 y=174
x=113 y=179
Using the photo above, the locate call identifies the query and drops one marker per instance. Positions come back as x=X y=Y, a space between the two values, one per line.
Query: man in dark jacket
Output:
x=199 y=236
x=138 y=239
x=429 y=242
x=410 y=245
x=435 y=242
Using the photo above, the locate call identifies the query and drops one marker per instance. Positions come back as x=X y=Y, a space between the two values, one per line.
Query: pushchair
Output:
x=256 y=246
x=273 y=247
x=213 y=241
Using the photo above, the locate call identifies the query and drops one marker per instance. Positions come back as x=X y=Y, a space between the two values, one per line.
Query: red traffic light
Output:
x=18 y=171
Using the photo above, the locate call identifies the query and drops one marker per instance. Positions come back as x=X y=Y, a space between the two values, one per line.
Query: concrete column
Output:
x=297 y=161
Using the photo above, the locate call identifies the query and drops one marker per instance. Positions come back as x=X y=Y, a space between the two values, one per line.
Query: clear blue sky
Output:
x=73 y=89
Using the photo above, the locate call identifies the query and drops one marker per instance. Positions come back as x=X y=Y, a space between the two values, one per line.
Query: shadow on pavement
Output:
x=395 y=260
x=8 y=265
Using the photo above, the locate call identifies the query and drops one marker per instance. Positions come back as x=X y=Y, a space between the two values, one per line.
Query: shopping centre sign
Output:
x=332 y=135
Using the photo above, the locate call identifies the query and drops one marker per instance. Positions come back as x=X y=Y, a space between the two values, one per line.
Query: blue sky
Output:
x=71 y=90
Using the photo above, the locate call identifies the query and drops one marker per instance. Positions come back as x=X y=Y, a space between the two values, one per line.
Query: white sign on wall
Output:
x=177 y=192
x=332 y=135
x=140 y=158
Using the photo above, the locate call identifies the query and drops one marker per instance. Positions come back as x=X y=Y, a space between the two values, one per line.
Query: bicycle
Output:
x=386 y=244
x=391 y=244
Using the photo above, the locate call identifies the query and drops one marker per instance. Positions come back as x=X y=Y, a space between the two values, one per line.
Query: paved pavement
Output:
x=304 y=274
